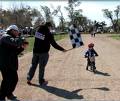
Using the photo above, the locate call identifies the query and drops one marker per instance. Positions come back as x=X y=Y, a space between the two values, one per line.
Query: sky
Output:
x=90 y=9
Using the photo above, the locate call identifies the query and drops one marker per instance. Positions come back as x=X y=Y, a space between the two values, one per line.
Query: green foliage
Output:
x=21 y=15
x=31 y=43
x=114 y=17
x=116 y=36
x=59 y=36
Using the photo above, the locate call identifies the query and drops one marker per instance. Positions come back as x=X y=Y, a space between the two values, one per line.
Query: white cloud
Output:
x=93 y=10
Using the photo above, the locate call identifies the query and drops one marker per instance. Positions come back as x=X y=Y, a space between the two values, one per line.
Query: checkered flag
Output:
x=75 y=37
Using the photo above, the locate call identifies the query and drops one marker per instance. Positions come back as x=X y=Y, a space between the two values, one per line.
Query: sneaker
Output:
x=29 y=82
x=43 y=83
x=12 y=97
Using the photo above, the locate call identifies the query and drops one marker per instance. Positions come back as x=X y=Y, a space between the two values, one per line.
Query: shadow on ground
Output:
x=102 y=88
x=61 y=92
x=101 y=73
x=99 y=88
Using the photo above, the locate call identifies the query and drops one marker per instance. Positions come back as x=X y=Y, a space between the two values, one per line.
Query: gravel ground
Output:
x=68 y=78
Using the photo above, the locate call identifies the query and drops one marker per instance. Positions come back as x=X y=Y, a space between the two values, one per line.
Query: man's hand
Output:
x=24 y=45
x=64 y=50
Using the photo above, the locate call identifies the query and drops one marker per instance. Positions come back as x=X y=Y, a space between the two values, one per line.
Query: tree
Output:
x=72 y=1
x=47 y=14
x=39 y=21
x=21 y=16
x=113 y=17
x=72 y=10
x=76 y=16
x=57 y=12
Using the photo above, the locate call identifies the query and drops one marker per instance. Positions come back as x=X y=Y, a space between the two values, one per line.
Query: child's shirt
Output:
x=90 y=53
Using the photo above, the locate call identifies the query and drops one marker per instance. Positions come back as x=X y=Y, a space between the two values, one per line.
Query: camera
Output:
x=21 y=41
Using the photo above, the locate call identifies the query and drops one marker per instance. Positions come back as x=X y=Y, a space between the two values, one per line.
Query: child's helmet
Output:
x=90 y=45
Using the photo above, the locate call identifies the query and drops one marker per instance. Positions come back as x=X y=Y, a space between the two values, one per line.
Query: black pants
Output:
x=9 y=82
x=89 y=63
x=40 y=59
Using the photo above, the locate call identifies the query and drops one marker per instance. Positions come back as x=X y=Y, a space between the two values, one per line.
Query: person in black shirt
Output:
x=43 y=40
x=10 y=47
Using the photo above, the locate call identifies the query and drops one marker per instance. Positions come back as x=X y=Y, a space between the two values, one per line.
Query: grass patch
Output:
x=31 y=41
x=116 y=36
x=60 y=36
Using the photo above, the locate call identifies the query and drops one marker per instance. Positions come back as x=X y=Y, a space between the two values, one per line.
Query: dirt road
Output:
x=68 y=79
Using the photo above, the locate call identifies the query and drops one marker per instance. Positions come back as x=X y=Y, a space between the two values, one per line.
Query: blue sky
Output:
x=91 y=9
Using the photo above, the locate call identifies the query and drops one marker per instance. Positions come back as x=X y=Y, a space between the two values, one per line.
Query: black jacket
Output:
x=90 y=53
x=9 y=50
x=43 y=39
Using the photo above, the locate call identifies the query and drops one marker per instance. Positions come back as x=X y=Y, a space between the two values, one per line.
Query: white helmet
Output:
x=14 y=27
